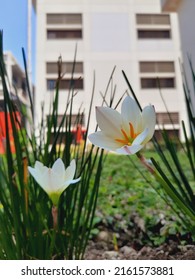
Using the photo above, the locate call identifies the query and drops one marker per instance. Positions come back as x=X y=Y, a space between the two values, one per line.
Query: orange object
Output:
x=78 y=134
x=3 y=135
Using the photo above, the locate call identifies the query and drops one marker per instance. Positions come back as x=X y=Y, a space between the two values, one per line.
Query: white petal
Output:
x=109 y=121
x=149 y=121
x=67 y=183
x=40 y=167
x=51 y=181
x=36 y=175
x=58 y=167
x=131 y=113
x=70 y=171
x=129 y=150
x=74 y=181
x=140 y=139
x=105 y=142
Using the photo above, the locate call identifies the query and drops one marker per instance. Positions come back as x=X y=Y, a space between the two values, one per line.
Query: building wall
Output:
x=186 y=21
x=186 y=24
x=110 y=39
x=15 y=76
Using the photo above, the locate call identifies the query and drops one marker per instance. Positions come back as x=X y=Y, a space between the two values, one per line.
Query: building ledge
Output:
x=170 y=5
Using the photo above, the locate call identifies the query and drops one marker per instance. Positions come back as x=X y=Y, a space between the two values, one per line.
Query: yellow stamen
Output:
x=127 y=140
x=132 y=133
x=125 y=134
x=121 y=141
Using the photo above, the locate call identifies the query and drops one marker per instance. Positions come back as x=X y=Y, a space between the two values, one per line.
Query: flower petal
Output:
x=70 y=171
x=140 y=139
x=46 y=177
x=54 y=180
x=131 y=113
x=39 y=167
x=103 y=141
x=67 y=183
x=58 y=167
x=149 y=121
x=36 y=175
x=109 y=121
x=60 y=190
x=51 y=181
x=129 y=150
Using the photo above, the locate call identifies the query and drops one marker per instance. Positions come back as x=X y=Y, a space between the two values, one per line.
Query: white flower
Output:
x=54 y=180
x=124 y=133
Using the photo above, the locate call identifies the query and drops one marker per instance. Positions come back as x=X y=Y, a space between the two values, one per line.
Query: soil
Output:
x=102 y=248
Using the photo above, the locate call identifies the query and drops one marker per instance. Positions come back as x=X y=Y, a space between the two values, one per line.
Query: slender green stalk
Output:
x=173 y=194
x=31 y=228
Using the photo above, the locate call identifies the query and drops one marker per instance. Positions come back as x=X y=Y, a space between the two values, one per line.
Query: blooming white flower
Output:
x=54 y=180
x=124 y=133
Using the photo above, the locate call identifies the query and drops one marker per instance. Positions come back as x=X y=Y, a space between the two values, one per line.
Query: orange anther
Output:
x=132 y=133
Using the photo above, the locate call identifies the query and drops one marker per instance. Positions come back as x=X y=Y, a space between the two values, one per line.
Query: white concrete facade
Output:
x=16 y=78
x=185 y=11
x=113 y=35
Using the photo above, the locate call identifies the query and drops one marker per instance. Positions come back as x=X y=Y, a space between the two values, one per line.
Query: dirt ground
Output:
x=102 y=248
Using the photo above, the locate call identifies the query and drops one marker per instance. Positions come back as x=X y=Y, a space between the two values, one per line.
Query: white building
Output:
x=16 y=80
x=134 y=35
x=16 y=85
x=185 y=10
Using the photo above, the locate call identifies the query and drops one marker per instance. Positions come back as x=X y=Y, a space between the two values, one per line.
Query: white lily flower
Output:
x=124 y=133
x=54 y=180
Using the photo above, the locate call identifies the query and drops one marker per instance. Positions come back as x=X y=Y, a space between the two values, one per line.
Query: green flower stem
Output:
x=54 y=212
x=172 y=194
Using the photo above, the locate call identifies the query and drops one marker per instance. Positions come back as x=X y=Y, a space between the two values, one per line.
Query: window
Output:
x=65 y=84
x=163 y=74
x=2 y=105
x=157 y=67
x=153 y=26
x=78 y=131
x=172 y=134
x=67 y=67
x=165 y=118
x=64 y=19
x=157 y=19
x=64 y=34
x=149 y=83
x=65 y=26
x=153 y=34
x=75 y=119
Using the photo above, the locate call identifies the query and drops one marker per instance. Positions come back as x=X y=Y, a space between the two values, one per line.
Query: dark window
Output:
x=156 y=83
x=2 y=105
x=154 y=34
x=78 y=131
x=165 y=118
x=172 y=134
x=64 y=34
x=75 y=119
x=65 y=84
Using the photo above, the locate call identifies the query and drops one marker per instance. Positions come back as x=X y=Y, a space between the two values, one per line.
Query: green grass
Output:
x=128 y=192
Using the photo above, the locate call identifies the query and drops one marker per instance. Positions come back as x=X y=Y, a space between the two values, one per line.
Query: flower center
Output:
x=127 y=138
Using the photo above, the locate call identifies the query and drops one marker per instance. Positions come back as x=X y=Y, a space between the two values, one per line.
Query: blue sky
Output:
x=13 y=22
